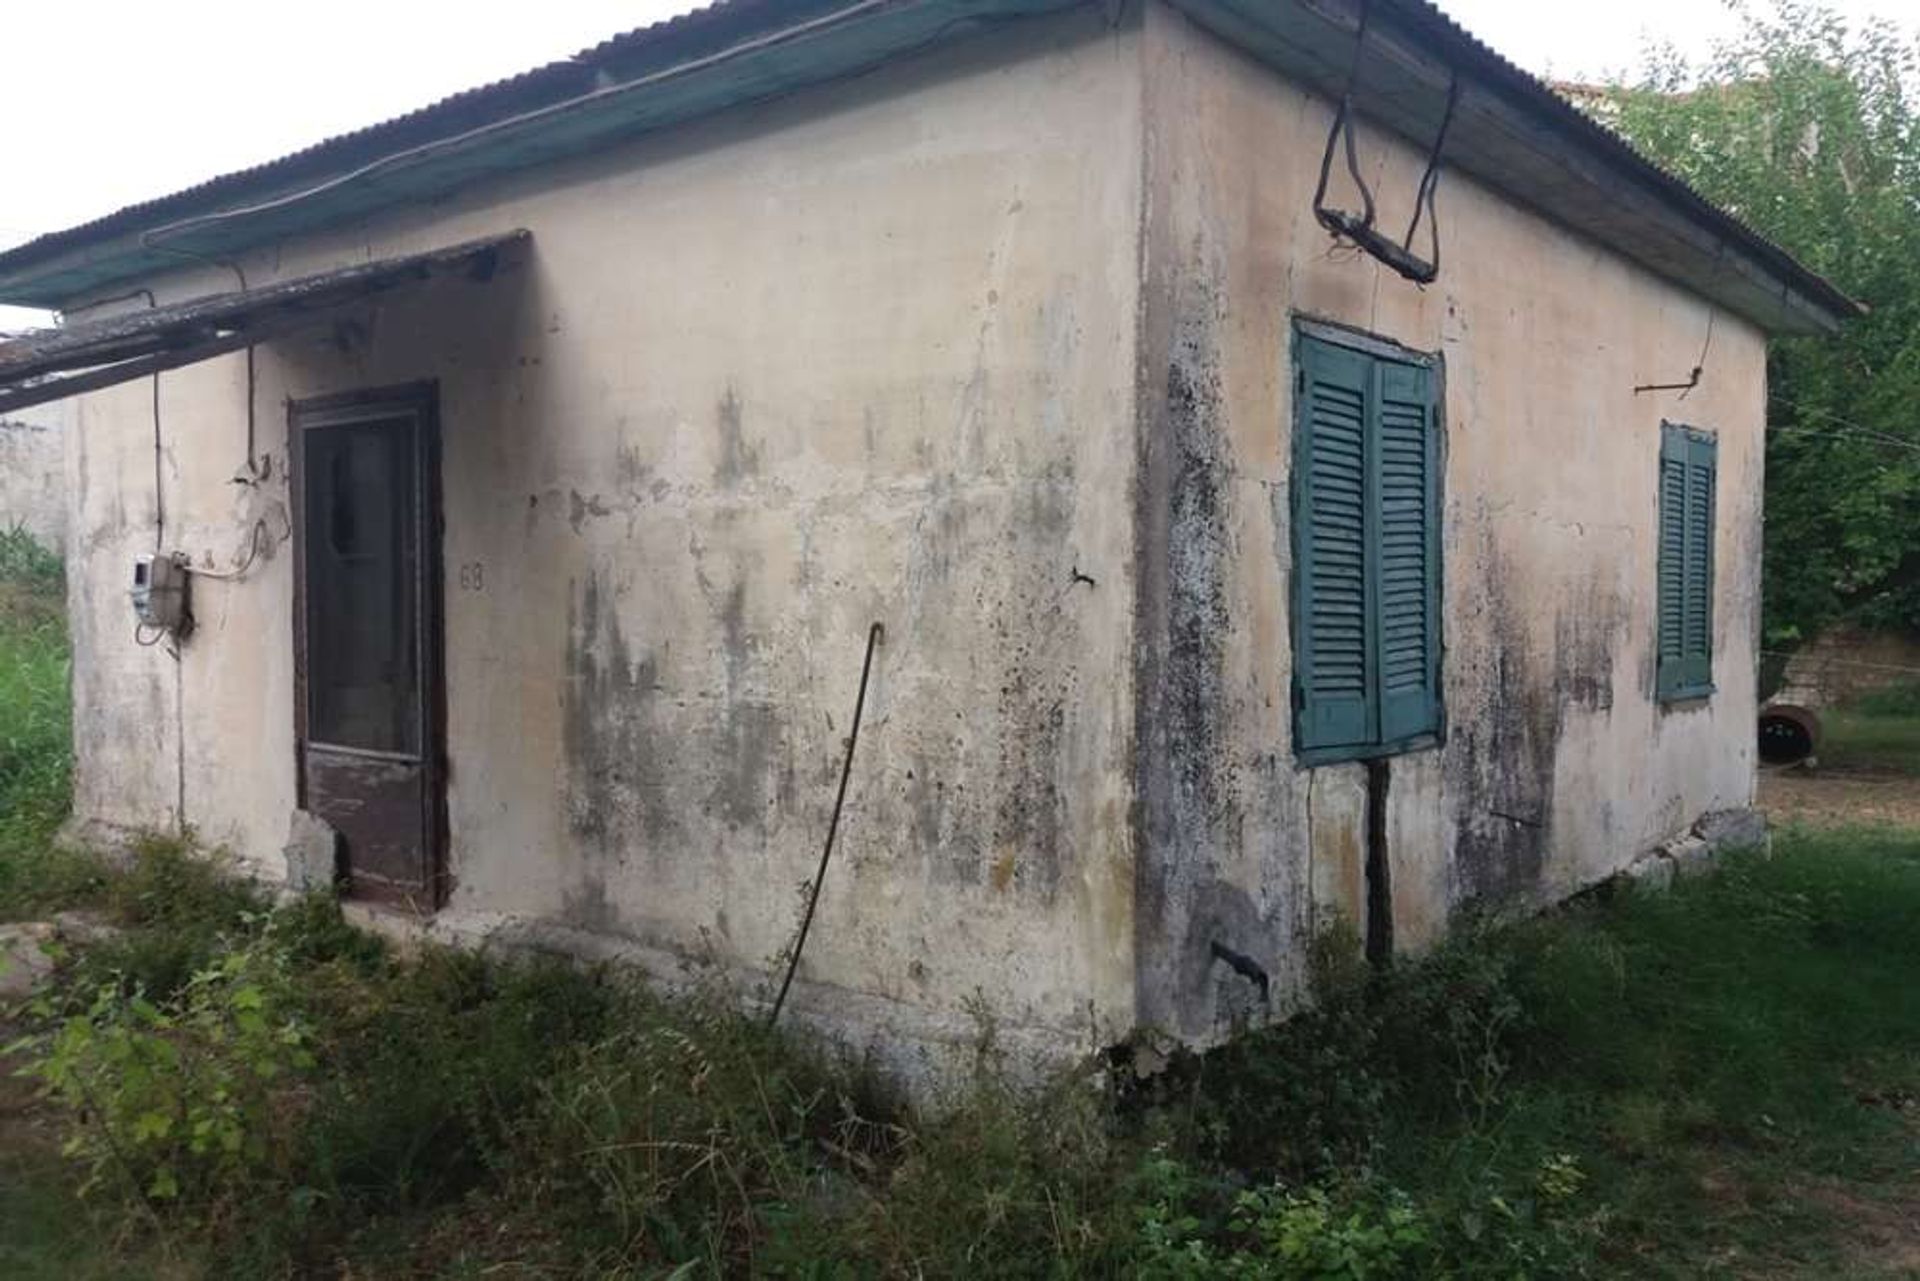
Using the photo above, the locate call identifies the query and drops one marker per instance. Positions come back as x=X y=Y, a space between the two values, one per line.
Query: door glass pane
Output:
x=362 y=656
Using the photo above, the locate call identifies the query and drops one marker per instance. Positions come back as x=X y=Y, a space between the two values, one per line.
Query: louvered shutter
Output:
x=1407 y=552
x=1332 y=664
x=1702 y=464
x=1689 y=465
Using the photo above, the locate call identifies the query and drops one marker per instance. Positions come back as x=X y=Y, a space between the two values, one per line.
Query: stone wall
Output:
x=1846 y=662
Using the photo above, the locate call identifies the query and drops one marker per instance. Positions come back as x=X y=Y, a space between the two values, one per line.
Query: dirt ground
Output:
x=1833 y=796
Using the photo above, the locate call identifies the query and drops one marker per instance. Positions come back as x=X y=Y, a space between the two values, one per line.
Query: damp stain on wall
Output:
x=614 y=784
x=1189 y=802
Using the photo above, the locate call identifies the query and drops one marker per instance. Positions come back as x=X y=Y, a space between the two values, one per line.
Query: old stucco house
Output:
x=538 y=463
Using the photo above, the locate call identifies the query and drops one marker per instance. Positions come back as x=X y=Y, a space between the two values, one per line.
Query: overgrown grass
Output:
x=1649 y=1086
x=1708 y=1082
x=1853 y=740
x=36 y=747
x=1879 y=730
x=1900 y=700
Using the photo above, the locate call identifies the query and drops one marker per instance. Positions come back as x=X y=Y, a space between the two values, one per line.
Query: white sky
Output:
x=108 y=102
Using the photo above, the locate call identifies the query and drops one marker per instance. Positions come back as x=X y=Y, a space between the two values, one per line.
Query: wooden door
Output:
x=367 y=636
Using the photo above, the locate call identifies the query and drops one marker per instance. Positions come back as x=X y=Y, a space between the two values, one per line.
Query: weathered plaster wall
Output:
x=1557 y=766
x=991 y=348
x=864 y=355
x=33 y=492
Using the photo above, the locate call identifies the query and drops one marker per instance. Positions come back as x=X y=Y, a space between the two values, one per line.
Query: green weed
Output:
x=1879 y=730
x=1899 y=701
x=184 y=1101
x=35 y=735
x=1644 y=1086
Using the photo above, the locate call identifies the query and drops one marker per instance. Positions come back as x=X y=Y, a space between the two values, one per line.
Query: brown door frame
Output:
x=422 y=401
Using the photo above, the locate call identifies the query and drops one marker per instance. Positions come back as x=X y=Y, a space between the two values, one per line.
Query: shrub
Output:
x=25 y=561
x=184 y=1100
x=35 y=737
x=181 y=909
x=1354 y=1226
x=429 y=1065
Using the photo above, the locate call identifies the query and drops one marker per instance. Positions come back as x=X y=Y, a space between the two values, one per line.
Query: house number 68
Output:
x=473 y=576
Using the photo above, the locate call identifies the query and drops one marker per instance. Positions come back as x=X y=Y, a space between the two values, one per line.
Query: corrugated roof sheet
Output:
x=701 y=30
x=554 y=82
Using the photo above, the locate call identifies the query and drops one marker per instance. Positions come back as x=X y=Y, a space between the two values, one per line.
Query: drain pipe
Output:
x=874 y=634
x=1379 y=868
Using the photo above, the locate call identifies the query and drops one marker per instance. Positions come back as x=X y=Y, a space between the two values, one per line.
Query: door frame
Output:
x=421 y=400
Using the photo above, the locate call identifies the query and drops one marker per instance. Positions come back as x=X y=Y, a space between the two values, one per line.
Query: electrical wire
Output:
x=1841 y=426
x=1816 y=661
x=1700 y=365
x=874 y=634
x=1857 y=433
x=159 y=498
x=149 y=238
x=254 y=549
x=101 y=302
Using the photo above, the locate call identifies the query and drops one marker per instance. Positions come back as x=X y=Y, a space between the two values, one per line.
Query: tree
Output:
x=1805 y=128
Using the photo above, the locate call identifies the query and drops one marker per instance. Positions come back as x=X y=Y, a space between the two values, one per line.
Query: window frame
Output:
x=1376 y=348
x=1671 y=692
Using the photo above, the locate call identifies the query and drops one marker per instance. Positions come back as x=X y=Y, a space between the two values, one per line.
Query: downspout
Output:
x=1379 y=869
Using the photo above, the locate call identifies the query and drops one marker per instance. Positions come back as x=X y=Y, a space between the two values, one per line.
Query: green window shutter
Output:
x=1671 y=597
x=1689 y=465
x=1332 y=659
x=1406 y=538
x=1697 y=633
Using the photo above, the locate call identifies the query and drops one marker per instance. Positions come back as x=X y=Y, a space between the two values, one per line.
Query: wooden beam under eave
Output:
x=27 y=395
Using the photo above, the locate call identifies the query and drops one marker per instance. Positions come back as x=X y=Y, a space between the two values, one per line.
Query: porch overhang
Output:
x=52 y=364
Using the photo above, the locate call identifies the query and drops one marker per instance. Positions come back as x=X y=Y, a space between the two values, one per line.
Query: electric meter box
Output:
x=160 y=591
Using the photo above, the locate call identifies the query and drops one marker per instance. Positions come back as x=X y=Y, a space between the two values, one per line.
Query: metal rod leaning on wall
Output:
x=874 y=634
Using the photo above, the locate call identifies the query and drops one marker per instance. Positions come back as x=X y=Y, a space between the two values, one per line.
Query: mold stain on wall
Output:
x=755 y=767
x=1525 y=689
x=1190 y=918
x=613 y=783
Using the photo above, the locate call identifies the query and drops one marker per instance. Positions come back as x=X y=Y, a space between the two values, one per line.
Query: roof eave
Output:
x=1512 y=133
x=739 y=64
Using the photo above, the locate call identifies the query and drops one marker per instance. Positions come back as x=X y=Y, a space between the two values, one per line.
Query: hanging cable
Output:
x=1699 y=366
x=874 y=634
x=1841 y=426
x=131 y=294
x=1360 y=228
x=756 y=44
x=254 y=474
x=1430 y=182
x=159 y=501
x=254 y=548
x=1851 y=433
